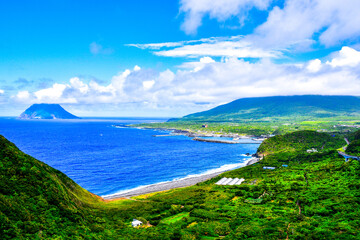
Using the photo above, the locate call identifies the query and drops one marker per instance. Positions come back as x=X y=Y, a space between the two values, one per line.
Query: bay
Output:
x=106 y=160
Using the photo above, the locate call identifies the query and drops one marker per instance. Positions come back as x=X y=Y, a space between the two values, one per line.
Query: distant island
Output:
x=46 y=111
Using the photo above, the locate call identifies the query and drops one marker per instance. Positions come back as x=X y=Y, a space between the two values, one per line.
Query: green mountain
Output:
x=306 y=107
x=46 y=111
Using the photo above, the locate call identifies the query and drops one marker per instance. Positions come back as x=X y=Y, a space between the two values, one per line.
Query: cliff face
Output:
x=46 y=111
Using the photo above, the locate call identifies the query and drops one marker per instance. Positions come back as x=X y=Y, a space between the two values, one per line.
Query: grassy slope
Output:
x=308 y=107
x=38 y=201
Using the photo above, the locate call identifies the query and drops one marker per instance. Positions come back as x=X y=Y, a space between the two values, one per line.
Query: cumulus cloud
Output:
x=345 y=57
x=51 y=94
x=198 y=85
x=195 y=10
x=96 y=49
x=23 y=96
x=314 y=65
x=2 y=91
x=297 y=24
x=303 y=22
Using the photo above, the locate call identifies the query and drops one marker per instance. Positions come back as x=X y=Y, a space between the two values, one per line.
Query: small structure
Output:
x=136 y=223
x=271 y=168
x=230 y=181
x=311 y=150
x=204 y=125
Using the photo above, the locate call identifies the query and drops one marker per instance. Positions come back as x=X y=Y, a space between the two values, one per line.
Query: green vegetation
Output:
x=315 y=197
x=279 y=108
x=301 y=141
x=354 y=136
x=354 y=148
x=256 y=128
x=175 y=218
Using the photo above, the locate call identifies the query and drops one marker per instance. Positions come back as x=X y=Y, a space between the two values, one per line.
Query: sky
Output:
x=158 y=58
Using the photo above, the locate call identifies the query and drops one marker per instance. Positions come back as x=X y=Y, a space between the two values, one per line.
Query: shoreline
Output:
x=190 y=133
x=163 y=186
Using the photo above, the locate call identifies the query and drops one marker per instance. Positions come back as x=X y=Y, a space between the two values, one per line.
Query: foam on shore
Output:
x=189 y=180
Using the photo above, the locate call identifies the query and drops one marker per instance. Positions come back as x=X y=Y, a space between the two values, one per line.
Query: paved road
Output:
x=347 y=156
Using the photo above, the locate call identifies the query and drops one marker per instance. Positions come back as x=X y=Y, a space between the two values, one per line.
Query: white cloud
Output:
x=23 y=95
x=2 y=91
x=96 y=49
x=314 y=65
x=202 y=84
x=297 y=25
x=148 y=84
x=346 y=57
x=233 y=46
x=157 y=45
x=195 y=10
x=50 y=94
x=197 y=66
x=77 y=84
x=303 y=22
x=206 y=60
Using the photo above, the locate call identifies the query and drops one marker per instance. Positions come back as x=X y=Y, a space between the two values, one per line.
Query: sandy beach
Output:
x=185 y=182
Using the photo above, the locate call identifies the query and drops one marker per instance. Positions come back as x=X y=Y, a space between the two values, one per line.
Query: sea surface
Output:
x=107 y=160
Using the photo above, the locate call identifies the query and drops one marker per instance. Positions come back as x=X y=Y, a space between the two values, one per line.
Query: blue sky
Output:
x=170 y=58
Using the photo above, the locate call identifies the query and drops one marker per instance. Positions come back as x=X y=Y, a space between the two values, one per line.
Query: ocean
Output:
x=107 y=160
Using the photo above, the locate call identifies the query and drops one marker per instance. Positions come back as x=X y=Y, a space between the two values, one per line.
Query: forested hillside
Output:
x=301 y=141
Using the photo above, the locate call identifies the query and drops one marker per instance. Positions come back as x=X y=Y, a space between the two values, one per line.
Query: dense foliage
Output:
x=301 y=141
x=354 y=135
x=307 y=196
x=354 y=148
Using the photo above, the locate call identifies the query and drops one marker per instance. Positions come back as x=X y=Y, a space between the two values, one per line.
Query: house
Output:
x=311 y=150
x=136 y=223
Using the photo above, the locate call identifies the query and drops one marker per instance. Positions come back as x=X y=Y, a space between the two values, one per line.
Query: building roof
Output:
x=136 y=222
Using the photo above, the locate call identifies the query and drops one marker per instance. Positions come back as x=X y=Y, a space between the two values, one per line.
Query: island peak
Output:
x=46 y=111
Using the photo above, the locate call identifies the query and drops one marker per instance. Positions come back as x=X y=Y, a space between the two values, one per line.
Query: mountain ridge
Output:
x=282 y=107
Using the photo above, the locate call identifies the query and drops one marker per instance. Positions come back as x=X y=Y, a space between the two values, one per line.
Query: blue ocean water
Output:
x=106 y=160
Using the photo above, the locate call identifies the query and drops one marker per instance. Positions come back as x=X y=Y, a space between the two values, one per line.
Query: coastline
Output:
x=190 y=133
x=180 y=183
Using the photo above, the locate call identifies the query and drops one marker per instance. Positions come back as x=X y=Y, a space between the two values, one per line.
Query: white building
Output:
x=136 y=223
x=311 y=150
